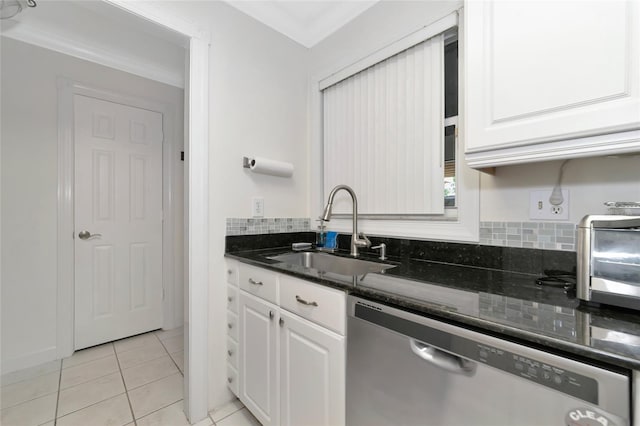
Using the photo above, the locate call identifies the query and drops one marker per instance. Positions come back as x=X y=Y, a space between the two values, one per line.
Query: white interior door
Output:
x=118 y=221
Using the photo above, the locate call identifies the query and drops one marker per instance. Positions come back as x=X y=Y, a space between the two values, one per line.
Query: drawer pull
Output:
x=229 y=271
x=230 y=298
x=281 y=322
x=230 y=326
x=270 y=314
x=254 y=282
x=230 y=352
x=304 y=302
x=230 y=379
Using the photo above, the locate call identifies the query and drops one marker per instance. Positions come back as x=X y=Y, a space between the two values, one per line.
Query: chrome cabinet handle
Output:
x=230 y=352
x=281 y=322
x=229 y=298
x=304 y=302
x=86 y=235
x=252 y=281
x=230 y=326
x=270 y=314
x=229 y=379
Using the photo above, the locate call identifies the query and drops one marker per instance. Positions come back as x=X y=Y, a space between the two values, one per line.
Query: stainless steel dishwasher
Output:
x=406 y=369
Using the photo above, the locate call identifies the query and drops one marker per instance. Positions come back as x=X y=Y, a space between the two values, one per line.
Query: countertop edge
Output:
x=438 y=312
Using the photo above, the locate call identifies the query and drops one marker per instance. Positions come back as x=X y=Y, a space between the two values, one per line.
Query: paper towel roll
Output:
x=271 y=167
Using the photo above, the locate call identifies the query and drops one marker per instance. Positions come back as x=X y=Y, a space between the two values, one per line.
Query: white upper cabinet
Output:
x=548 y=80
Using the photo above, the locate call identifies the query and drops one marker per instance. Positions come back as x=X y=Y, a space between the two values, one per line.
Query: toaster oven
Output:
x=608 y=263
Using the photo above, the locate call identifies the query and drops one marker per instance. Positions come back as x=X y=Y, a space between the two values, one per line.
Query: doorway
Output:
x=59 y=256
x=119 y=170
x=197 y=199
x=118 y=220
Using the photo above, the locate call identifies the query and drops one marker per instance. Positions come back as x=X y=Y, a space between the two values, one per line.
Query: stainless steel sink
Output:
x=330 y=263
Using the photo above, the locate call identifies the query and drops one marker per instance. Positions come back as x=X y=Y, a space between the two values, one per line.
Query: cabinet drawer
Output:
x=232 y=379
x=232 y=352
x=232 y=272
x=259 y=282
x=232 y=325
x=232 y=299
x=322 y=305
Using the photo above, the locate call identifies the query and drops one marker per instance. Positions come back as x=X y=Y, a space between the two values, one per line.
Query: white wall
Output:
x=590 y=181
x=258 y=88
x=505 y=196
x=29 y=189
x=85 y=29
x=378 y=26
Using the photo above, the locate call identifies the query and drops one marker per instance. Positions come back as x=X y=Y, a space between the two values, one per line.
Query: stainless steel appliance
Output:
x=609 y=260
x=407 y=369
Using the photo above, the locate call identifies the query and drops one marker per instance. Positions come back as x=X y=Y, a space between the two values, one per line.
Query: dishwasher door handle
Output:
x=444 y=360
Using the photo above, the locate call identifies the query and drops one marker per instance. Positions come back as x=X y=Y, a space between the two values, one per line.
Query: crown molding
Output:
x=306 y=23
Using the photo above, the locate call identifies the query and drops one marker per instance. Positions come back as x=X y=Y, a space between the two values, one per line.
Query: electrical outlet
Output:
x=257 y=207
x=541 y=209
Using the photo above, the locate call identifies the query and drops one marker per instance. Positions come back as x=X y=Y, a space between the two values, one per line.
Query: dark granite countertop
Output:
x=506 y=304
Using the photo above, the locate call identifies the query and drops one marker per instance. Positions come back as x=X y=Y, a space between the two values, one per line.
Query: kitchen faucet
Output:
x=356 y=241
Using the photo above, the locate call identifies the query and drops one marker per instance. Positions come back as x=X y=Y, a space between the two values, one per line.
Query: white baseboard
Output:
x=28 y=360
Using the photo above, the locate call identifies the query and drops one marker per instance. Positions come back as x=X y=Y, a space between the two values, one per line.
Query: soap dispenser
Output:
x=321 y=234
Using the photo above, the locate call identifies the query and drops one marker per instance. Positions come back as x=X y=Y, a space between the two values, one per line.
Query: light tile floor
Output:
x=133 y=381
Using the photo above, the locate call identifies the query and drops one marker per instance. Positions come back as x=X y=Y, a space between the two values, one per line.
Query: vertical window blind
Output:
x=384 y=136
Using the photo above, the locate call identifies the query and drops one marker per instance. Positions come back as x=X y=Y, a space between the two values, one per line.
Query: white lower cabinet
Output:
x=292 y=370
x=259 y=358
x=312 y=373
x=232 y=327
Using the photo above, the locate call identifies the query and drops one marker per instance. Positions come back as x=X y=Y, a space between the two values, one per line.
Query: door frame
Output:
x=196 y=207
x=67 y=89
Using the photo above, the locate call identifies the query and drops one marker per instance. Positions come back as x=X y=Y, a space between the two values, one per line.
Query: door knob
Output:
x=86 y=235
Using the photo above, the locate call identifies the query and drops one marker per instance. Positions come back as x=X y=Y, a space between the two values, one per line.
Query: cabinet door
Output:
x=539 y=73
x=232 y=272
x=259 y=358
x=312 y=366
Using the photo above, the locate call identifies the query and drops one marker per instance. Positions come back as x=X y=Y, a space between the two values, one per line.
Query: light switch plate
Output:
x=257 y=207
x=541 y=209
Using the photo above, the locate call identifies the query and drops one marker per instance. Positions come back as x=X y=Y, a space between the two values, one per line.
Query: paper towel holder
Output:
x=267 y=167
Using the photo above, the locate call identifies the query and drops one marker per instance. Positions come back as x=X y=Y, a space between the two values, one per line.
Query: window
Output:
x=390 y=132
x=450 y=166
x=449 y=209
x=383 y=133
x=451 y=121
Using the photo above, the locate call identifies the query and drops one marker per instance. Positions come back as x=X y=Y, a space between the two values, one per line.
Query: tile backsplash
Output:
x=250 y=226
x=539 y=235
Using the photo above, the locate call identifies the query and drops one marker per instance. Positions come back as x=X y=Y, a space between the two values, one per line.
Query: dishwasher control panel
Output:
x=548 y=375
